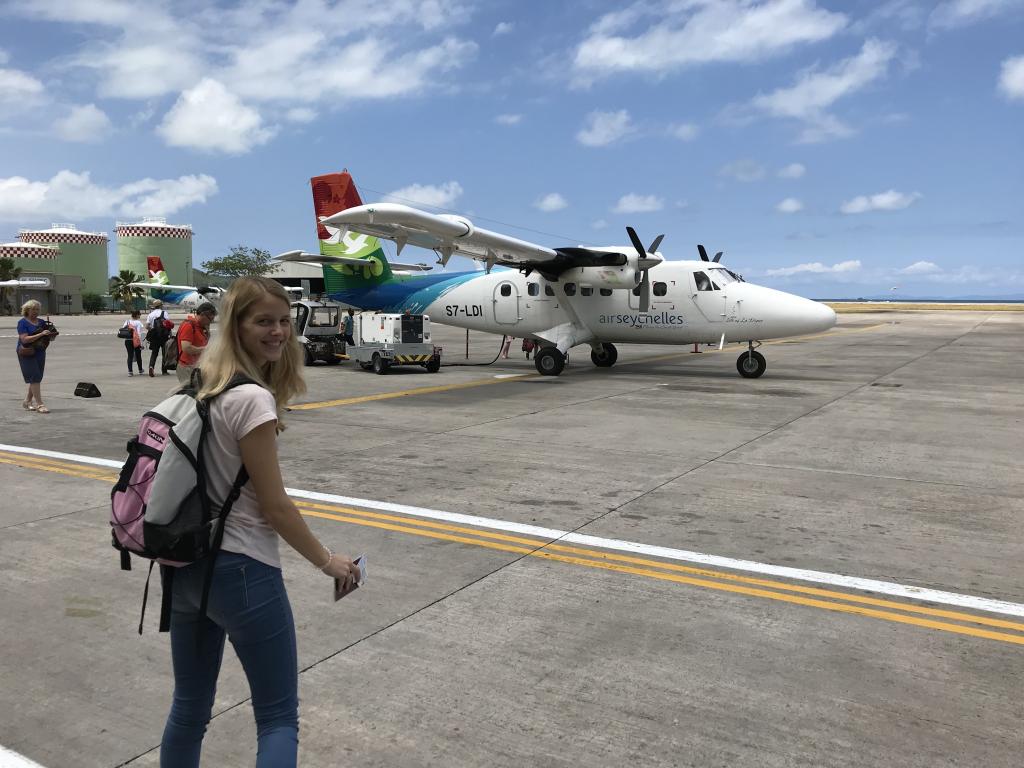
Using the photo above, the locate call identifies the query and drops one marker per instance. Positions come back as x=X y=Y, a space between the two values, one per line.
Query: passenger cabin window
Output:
x=570 y=289
x=548 y=290
x=660 y=289
x=703 y=282
x=533 y=289
x=506 y=290
x=586 y=290
x=606 y=291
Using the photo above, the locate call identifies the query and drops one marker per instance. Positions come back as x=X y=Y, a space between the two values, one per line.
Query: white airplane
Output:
x=560 y=297
x=187 y=296
x=27 y=282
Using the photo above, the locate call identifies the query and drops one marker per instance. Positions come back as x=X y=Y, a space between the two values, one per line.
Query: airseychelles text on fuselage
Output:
x=656 y=319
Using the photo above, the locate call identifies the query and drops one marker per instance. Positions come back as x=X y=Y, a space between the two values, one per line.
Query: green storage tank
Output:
x=80 y=253
x=138 y=241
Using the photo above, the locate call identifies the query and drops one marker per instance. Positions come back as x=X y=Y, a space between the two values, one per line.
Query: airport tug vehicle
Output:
x=383 y=340
x=318 y=328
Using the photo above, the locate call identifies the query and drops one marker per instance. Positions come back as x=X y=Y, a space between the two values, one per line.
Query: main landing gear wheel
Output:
x=751 y=364
x=549 y=361
x=605 y=356
x=380 y=365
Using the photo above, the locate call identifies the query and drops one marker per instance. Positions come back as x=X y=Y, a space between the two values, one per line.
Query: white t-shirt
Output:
x=233 y=415
x=152 y=317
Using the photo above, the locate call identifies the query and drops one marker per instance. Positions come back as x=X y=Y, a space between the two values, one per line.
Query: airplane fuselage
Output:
x=681 y=311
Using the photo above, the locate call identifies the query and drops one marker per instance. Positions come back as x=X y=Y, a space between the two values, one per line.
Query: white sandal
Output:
x=27 y=405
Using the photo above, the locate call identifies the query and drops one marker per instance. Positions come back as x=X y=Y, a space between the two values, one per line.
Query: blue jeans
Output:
x=249 y=605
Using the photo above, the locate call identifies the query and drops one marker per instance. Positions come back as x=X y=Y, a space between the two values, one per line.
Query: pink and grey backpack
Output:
x=160 y=508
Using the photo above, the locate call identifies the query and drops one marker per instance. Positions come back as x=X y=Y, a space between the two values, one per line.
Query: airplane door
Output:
x=506 y=303
x=709 y=297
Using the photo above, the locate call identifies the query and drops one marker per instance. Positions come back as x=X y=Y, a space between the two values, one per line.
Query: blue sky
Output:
x=830 y=149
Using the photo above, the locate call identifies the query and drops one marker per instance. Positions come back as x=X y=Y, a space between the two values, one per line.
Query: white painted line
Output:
x=511 y=375
x=749 y=566
x=11 y=759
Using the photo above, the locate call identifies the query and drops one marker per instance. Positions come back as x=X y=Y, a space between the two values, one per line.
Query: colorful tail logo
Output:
x=335 y=192
x=157 y=273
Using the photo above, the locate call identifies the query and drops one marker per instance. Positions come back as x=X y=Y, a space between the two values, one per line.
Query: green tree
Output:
x=122 y=291
x=7 y=272
x=92 y=302
x=241 y=262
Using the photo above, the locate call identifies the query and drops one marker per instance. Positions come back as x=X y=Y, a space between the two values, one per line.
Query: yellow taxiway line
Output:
x=520 y=377
x=814 y=597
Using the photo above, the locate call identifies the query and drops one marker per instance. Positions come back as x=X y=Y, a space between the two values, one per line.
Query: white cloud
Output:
x=70 y=195
x=960 y=13
x=816 y=268
x=633 y=203
x=598 y=224
x=1011 y=78
x=890 y=200
x=17 y=87
x=789 y=205
x=743 y=170
x=816 y=91
x=503 y=28
x=426 y=194
x=4 y=56
x=920 y=268
x=684 y=131
x=508 y=119
x=211 y=118
x=792 y=171
x=143 y=71
x=551 y=202
x=87 y=123
x=318 y=53
x=300 y=115
x=685 y=34
x=603 y=128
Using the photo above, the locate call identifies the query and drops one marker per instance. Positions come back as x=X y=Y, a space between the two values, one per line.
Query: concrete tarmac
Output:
x=887 y=449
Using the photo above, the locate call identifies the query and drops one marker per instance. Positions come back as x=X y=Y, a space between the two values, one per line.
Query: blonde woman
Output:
x=32 y=356
x=248 y=603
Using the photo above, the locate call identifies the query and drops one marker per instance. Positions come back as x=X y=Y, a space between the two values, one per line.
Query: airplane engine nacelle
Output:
x=626 y=277
x=461 y=221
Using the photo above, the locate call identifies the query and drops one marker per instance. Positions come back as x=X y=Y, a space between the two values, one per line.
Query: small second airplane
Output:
x=559 y=297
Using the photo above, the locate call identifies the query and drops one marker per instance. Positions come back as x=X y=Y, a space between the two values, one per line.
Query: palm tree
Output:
x=120 y=289
x=7 y=272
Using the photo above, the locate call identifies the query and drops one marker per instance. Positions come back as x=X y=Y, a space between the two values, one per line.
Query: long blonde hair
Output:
x=226 y=357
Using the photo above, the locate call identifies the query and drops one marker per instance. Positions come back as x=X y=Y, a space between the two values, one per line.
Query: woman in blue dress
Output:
x=30 y=330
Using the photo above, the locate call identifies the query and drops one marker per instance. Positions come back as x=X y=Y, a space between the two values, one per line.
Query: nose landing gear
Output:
x=751 y=364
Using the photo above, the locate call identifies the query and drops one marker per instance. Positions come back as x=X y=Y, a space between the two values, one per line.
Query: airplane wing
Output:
x=164 y=286
x=319 y=259
x=27 y=283
x=444 y=233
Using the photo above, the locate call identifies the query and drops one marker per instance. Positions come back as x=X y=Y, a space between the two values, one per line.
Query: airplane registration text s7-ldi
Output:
x=560 y=297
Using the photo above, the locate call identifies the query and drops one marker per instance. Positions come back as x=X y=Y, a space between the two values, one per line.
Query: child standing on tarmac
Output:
x=133 y=344
x=248 y=604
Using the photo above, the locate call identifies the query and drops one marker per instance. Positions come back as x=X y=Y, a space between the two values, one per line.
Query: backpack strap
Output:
x=218 y=536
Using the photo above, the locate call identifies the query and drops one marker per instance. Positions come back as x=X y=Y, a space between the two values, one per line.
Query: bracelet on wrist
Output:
x=330 y=556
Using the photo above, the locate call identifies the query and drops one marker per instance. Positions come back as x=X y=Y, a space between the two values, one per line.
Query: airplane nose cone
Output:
x=822 y=316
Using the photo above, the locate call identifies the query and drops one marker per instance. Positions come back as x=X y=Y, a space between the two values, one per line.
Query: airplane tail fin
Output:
x=157 y=273
x=334 y=192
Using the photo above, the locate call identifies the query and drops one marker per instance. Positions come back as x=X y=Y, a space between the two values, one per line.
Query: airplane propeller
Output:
x=646 y=261
x=704 y=254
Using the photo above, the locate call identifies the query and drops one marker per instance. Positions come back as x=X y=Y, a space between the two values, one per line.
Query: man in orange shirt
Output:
x=193 y=336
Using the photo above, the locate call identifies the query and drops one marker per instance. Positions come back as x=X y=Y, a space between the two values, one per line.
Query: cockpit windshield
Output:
x=722 y=276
